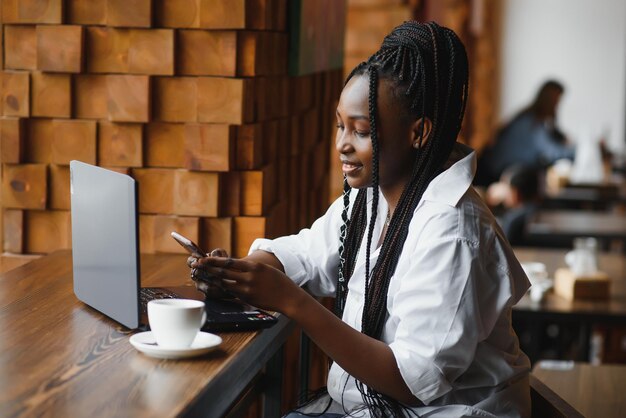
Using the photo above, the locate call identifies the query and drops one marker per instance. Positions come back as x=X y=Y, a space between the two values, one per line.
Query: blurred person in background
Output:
x=531 y=138
x=517 y=196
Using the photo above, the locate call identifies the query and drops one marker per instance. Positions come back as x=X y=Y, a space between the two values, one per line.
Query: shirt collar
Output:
x=449 y=186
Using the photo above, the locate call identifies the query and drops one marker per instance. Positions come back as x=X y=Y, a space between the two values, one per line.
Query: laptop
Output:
x=105 y=256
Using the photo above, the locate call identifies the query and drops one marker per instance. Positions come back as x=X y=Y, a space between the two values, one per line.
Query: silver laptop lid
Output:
x=104 y=241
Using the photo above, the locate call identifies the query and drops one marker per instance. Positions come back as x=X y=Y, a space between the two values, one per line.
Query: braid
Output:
x=374 y=136
x=426 y=67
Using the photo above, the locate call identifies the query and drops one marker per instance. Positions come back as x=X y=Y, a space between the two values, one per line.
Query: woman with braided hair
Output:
x=424 y=280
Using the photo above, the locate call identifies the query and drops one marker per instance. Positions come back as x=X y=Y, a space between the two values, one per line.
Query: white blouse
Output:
x=448 y=304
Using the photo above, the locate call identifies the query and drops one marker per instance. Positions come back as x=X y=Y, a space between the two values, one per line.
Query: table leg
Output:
x=305 y=349
x=584 y=341
x=273 y=383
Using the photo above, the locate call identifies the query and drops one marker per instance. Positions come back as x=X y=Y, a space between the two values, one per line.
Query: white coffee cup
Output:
x=175 y=322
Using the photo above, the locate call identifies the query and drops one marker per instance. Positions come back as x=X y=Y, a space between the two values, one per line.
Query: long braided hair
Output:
x=426 y=67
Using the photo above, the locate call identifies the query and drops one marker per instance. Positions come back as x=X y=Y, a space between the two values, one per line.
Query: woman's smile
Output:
x=350 y=167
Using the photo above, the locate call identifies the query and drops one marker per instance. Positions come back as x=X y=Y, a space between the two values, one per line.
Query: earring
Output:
x=416 y=145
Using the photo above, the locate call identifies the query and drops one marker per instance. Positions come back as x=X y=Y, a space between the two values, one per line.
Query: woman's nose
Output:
x=342 y=142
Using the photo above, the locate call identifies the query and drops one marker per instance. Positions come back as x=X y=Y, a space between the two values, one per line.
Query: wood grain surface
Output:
x=62 y=358
x=595 y=391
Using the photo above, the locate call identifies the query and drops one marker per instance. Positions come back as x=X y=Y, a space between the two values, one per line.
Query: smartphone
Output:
x=189 y=245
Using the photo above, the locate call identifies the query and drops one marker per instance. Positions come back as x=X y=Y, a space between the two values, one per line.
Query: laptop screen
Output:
x=105 y=247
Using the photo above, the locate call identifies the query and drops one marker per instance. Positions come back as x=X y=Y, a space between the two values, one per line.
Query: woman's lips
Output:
x=350 y=168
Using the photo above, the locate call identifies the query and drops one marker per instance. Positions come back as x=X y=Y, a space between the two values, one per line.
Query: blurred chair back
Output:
x=547 y=404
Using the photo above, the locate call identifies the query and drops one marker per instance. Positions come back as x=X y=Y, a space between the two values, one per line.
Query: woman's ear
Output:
x=421 y=132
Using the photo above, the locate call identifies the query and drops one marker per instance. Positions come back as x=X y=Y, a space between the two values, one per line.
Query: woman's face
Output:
x=396 y=135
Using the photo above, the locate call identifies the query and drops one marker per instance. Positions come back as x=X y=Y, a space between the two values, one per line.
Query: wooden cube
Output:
x=223 y=14
x=107 y=49
x=209 y=147
x=86 y=12
x=225 y=100
x=60 y=48
x=156 y=190
x=90 y=96
x=59 y=193
x=164 y=225
x=248 y=54
x=177 y=13
x=236 y=14
x=216 y=233
x=207 y=52
x=245 y=230
x=271 y=145
x=24 y=186
x=20 y=47
x=13 y=232
x=146 y=233
x=32 y=11
x=11 y=140
x=154 y=232
x=47 y=231
x=230 y=194
x=51 y=95
x=257 y=191
x=128 y=98
x=196 y=193
x=280 y=15
x=257 y=14
x=40 y=134
x=249 y=146
x=175 y=99
x=16 y=93
x=320 y=160
x=261 y=99
x=120 y=144
x=165 y=145
x=74 y=140
x=129 y=13
x=151 y=51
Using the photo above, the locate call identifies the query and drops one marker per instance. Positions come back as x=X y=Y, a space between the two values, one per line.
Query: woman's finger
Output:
x=226 y=263
x=191 y=260
x=220 y=273
x=219 y=252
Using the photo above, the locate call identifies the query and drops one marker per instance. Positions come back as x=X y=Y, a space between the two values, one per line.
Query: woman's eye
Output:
x=339 y=126
x=361 y=134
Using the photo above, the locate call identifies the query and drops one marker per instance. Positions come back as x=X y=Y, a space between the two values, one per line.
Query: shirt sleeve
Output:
x=311 y=257
x=446 y=304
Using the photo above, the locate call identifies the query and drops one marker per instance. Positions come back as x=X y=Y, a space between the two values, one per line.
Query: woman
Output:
x=531 y=138
x=423 y=279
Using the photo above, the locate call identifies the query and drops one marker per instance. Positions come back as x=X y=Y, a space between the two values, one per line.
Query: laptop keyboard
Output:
x=146 y=294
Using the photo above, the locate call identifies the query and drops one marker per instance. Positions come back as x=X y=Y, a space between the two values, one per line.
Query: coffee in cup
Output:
x=175 y=323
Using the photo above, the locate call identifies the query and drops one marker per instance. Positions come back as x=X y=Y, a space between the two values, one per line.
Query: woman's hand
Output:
x=256 y=283
x=206 y=283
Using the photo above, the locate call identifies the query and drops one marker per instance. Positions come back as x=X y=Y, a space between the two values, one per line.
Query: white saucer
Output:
x=146 y=343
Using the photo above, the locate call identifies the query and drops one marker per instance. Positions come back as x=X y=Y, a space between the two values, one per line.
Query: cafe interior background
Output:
x=228 y=124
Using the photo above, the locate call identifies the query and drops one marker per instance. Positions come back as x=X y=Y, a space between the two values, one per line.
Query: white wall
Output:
x=581 y=43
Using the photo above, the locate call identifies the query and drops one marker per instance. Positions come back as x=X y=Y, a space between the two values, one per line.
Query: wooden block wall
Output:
x=367 y=24
x=190 y=97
